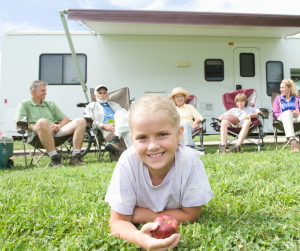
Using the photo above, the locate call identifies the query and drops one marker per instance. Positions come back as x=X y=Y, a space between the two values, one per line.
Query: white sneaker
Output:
x=200 y=153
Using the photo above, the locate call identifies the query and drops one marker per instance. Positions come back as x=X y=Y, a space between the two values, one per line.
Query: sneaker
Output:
x=76 y=160
x=234 y=149
x=113 y=145
x=200 y=151
x=294 y=145
x=56 y=160
x=222 y=149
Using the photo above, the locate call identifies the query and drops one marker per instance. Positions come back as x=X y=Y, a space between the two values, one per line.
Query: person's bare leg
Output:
x=224 y=126
x=243 y=132
x=76 y=127
x=44 y=132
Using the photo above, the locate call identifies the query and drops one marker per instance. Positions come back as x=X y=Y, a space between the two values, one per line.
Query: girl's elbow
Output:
x=194 y=217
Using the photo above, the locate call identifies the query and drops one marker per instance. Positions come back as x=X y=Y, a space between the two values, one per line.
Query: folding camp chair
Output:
x=65 y=152
x=278 y=126
x=122 y=97
x=192 y=100
x=228 y=102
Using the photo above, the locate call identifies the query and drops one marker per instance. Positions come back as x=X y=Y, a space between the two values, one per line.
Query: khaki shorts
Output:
x=60 y=133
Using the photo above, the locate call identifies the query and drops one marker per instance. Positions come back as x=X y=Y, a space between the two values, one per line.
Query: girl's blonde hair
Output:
x=150 y=104
x=241 y=97
x=291 y=84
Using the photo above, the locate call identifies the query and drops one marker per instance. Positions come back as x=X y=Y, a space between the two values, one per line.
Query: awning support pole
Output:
x=63 y=19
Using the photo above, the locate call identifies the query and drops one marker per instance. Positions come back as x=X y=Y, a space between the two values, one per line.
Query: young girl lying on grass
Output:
x=155 y=176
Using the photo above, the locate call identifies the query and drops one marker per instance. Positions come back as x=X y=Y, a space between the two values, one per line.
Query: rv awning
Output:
x=128 y=22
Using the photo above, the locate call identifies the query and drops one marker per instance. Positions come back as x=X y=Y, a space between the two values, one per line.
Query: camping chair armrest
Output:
x=215 y=119
x=276 y=121
x=215 y=123
x=82 y=104
x=203 y=122
x=260 y=119
x=22 y=126
x=265 y=113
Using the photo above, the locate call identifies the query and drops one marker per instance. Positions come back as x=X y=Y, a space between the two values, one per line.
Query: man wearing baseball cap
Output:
x=110 y=118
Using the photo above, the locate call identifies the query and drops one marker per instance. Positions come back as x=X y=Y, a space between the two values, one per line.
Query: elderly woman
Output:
x=286 y=109
x=189 y=116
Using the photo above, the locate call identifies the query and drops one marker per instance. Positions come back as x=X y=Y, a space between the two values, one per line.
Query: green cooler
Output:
x=6 y=151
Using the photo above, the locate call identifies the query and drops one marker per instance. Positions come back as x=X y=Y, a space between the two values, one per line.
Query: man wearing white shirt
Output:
x=102 y=112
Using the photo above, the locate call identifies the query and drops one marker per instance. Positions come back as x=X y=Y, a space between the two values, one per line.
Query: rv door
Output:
x=247 y=71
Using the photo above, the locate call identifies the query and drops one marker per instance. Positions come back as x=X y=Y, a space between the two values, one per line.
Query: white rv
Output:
x=207 y=54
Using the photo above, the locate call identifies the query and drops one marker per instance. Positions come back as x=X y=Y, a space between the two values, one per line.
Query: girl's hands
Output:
x=147 y=242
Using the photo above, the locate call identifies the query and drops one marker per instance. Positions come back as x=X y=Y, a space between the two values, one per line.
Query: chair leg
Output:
x=23 y=140
x=201 y=139
x=258 y=145
x=32 y=155
x=218 y=151
x=284 y=145
x=275 y=136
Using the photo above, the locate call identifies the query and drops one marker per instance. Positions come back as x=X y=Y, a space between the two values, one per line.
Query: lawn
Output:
x=256 y=205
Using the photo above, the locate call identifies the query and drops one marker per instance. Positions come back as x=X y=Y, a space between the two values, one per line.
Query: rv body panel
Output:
x=145 y=64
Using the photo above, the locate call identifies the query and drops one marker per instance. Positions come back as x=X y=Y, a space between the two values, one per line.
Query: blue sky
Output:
x=43 y=15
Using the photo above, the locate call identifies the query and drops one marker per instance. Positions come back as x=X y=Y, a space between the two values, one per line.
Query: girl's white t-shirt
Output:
x=186 y=184
x=241 y=114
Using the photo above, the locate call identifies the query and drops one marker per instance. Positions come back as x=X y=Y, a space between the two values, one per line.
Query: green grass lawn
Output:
x=256 y=205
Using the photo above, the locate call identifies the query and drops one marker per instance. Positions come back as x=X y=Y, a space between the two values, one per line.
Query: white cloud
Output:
x=131 y=4
x=156 y=5
x=22 y=26
x=87 y=4
x=256 y=6
x=239 y=6
x=0 y=66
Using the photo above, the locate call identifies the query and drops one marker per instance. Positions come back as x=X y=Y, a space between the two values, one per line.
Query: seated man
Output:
x=101 y=112
x=41 y=116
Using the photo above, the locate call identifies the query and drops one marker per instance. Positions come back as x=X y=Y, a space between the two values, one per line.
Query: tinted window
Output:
x=214 y=69
x=247 y=65
x=59 y=69
x=274 y=76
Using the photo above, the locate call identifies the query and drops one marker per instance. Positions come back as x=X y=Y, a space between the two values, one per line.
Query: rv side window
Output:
x=274 y=76
x=59 y=69
x=214 y=69
x=247 y=65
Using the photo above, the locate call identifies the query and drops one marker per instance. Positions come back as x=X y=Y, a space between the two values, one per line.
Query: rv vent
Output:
x=208 y=107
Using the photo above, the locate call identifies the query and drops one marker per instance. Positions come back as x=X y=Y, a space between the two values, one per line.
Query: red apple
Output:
x=167 y=225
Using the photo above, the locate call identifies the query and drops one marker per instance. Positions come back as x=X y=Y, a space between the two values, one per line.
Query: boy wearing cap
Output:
x=102 y=112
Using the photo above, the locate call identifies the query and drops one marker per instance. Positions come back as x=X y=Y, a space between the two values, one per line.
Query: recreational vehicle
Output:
x=151 y=52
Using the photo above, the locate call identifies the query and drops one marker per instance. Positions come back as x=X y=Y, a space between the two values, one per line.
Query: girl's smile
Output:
x=155 y=141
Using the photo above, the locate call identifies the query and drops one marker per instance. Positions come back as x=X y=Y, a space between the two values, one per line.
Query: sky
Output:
x=40 y=15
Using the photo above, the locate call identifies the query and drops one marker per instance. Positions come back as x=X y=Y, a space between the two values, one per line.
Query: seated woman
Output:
x=244 y=113
x=189 y=116
x=286 y=109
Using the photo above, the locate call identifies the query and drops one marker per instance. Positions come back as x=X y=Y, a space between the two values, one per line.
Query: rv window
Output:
x=59 y=69
x=247 y=66
x=274 y=76
x=214 y=69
